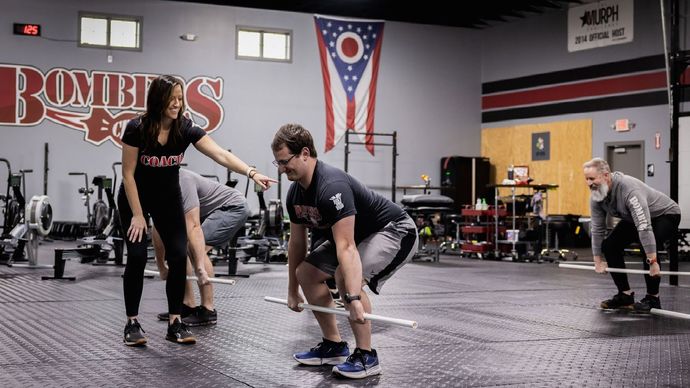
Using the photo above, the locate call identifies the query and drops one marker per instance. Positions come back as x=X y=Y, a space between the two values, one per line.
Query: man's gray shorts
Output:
x=382 y=253
x=222 y=224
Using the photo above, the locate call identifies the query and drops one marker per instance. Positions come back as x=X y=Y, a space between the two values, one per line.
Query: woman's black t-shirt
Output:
x=160 y=166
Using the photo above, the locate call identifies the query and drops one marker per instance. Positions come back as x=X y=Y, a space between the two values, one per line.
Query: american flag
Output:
x=350 y=51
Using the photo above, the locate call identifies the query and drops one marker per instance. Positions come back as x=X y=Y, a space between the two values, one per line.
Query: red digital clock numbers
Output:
x=27 y=29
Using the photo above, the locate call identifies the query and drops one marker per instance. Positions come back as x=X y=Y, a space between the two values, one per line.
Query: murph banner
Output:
x=601 y=23
x=99 y=103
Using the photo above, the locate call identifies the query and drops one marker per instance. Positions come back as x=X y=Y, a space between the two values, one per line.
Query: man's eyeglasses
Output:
x=283 y=162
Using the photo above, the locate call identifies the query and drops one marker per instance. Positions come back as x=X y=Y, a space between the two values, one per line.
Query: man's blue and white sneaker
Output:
x=326 y=352
x=359 y=365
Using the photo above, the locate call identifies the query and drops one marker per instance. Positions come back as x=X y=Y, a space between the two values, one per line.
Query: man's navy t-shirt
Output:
x=334 y=195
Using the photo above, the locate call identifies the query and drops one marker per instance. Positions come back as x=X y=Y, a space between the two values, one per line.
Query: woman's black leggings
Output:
x=164 y=205
x=623 y=234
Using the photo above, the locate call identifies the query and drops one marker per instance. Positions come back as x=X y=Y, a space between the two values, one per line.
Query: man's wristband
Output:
x=651 y=261
x=249 y=171
x=350 y=298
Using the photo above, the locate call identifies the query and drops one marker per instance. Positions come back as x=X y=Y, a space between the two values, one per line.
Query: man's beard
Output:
x=600 y=193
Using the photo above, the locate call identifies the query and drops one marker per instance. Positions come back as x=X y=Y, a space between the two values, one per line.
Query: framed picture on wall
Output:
x=541 y=146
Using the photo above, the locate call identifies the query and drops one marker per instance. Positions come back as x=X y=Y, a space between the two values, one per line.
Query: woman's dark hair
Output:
x=157 y=102
x=294 y=137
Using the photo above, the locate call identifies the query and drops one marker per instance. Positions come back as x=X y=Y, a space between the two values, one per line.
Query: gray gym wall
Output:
x=428 y=90
x=429 y=87
x=539 y=45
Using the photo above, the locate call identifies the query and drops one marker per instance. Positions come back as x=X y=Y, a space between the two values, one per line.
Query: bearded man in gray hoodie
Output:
x=647 y=216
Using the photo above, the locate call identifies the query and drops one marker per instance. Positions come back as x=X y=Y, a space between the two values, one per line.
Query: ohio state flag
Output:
x=350 y=50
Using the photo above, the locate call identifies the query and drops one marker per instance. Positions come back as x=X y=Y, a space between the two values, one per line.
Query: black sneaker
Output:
x=186 y=311
x=647 y=303
x=133 y=336
x=178 y=332
x=201 y=317
x=621 y=301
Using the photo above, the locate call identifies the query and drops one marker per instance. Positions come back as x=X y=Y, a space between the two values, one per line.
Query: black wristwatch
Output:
x=349 y=298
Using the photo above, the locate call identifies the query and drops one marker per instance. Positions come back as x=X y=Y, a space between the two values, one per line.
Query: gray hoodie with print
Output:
x=631 y=200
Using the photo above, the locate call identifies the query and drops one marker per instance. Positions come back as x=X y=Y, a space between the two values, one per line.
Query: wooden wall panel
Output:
x=571 y=146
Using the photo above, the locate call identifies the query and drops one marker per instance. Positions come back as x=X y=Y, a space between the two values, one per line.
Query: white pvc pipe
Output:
x=344 y=313
x=670 y=314
x=210 y=279
x=622 y=270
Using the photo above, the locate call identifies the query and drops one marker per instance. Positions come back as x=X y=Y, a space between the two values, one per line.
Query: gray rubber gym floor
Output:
x=481 y=323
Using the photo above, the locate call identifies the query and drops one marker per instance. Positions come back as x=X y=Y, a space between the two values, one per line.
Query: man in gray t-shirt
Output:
x=212 y=200
x=214 y=213
x=647 y=216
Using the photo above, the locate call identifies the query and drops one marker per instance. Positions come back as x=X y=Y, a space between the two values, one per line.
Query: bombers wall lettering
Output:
x=99 y=103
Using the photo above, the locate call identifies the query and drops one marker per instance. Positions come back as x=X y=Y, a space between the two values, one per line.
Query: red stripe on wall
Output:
x=625 y=84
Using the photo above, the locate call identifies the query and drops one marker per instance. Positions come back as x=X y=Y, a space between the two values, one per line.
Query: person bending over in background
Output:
x=213 y=213
x=647 y=216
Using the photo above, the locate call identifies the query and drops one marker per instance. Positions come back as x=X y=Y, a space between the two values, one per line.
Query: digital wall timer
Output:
x=27 y=29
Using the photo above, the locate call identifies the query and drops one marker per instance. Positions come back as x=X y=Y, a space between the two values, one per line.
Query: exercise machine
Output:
x=104 y=223
x=22 y=223
x=86 y=193
x=394 y=151
x=429 y=212
x=264 y=241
